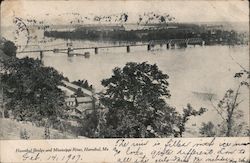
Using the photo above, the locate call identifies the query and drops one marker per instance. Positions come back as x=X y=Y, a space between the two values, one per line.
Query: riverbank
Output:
x=213 y=35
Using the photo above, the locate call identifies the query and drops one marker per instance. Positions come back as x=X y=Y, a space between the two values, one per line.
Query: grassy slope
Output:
x=11 y=129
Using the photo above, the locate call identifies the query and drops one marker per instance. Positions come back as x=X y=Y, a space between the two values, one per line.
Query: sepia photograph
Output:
x=124 y=69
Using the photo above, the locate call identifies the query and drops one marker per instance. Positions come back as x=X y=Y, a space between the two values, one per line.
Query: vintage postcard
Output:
x=124 y=81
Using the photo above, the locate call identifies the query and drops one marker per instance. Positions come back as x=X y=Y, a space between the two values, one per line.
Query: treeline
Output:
x=211 y=37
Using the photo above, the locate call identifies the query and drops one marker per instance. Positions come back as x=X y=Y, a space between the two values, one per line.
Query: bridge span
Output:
x=171 y=43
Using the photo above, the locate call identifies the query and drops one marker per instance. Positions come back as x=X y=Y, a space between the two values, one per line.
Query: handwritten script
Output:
x=169 y=150
x=181 y=150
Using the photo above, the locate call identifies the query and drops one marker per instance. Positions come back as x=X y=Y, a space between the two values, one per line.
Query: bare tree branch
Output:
x=237 y=62
x=215 y=108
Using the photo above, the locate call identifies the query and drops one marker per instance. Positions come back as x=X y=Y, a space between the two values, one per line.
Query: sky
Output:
x=183 y=11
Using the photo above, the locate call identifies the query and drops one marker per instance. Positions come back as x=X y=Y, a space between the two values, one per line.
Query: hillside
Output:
x=11 y=129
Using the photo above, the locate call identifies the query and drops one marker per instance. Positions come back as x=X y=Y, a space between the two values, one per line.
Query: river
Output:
x=193 y=71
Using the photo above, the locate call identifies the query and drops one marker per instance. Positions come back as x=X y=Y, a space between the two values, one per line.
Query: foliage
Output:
x=247 y=132
x=187 y=113
x=24 y=134
x=230 y=103
x=239 y=127
x=89 y=121
x=83 y=84
x=32 y=89
x=135 y=98
x=228 y=107
x=46 y=132
x=9 y=48
x=79 y=93
x=208 y=129
x=244 y=77
x=89 y=124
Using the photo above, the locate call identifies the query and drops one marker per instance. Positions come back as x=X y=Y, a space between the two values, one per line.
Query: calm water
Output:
x=208 y=69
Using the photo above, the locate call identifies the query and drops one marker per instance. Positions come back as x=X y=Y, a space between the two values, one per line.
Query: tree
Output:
x=32 y=90
x=89 y=123
x=79 y=93
x=187 y=113
x=9 y=48
x=135 y=99
x=83 y=84
x=208 y=129
x=162 y=19
x=24 y=134
x=228 y=107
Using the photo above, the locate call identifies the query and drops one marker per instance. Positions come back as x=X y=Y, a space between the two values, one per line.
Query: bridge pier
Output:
x=68 y=52
x=149 y=47
x=41 y=56
x=128 y=49
x=96 y=50
x=168 y=45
